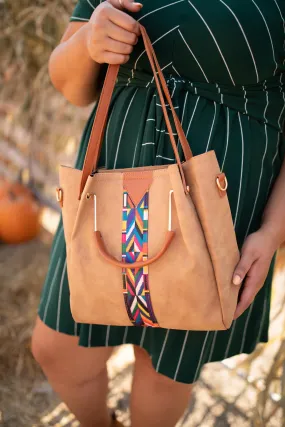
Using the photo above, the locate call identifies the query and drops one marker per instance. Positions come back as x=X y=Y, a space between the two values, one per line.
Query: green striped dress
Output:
x=224 y=64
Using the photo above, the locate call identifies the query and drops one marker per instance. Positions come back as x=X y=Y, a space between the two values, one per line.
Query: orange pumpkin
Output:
x=19 y=217
x=16 y=187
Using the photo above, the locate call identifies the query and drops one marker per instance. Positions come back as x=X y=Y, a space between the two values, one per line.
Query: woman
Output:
x=223 y=60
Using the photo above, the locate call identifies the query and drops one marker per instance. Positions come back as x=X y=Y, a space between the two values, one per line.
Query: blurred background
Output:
x=38 y=131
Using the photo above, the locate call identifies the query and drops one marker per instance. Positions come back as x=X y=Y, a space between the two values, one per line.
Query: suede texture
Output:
x=191 y=283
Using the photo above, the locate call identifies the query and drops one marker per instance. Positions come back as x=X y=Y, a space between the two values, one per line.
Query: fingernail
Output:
x=139 y=5
x=237 y=280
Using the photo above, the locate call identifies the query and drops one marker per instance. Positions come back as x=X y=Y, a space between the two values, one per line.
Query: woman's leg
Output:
x=77 y=374
x=156 y=400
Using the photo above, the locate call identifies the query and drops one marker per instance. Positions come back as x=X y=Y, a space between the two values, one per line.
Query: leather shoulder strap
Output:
x=99 y=124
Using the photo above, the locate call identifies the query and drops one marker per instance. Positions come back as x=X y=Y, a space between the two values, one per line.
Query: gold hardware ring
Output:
x=59 y=194
x=219 y=184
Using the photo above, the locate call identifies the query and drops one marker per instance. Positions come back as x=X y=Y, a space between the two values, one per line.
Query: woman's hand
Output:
x=113 y=33
x=256 y=256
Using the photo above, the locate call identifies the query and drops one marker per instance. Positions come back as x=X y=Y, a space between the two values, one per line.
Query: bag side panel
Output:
x=216 y=220
x=95 y=285
x=182 y=283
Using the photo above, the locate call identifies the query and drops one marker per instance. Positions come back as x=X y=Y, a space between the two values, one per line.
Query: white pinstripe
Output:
x=241 y=173
x=123 y=125
x=165 y=158
x=281 y=114
x=182 y=117
x=201 y=357
x=190 y=50
x=125 y=335
x=159 y=38
x=191 y=119
x=244 y=35
x=279 y=10
x=89 y=336
x=215 y=41
x=230 y=339
x=228 y=134
x=135 y=152
x=163 y=68
x=174 y=88
x=222 y=96
x=162 y=7
x=262 y=320
x=50 y=290
x=273 y=161
x=76 y=18
x=148 y=143
x=213 y=346
x=167 y=105
x=56 y=243
x=90 y=4
x=264 y=20
x=181 y=355
x=59 y=297
x=136 y=146
x=107 y=336
x=143 y=336
x=267 y=101
x=75 y=328
x=162 y=350
x=175 y=70
x=194 y=87
x=106 y=139
x=246 y=100
x=259 y=182
x=246 y=326
x=164 y=131
x=212 y=127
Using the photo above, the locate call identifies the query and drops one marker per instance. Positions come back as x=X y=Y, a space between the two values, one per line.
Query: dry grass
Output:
x=34 y=118
x=20 y=376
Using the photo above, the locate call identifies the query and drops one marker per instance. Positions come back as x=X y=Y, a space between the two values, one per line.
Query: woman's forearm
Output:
x=274 y=214
x=72 y=71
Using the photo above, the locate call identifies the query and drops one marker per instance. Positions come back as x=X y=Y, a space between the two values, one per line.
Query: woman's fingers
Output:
x=112 y=35
x=130 y=5
x=252 y=285
x=123 y=20
x=120 y=34
x=114 y=58
x=118 y=47
x=247 y=258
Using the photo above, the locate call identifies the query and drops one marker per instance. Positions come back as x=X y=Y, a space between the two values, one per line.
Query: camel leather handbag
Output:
x=149 y=246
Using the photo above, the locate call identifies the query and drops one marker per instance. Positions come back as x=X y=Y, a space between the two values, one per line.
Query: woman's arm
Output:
x=274 y=215
x=108 y=37
x=259 y=247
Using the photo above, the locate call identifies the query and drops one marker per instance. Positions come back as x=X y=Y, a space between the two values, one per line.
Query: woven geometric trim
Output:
x=135 y=248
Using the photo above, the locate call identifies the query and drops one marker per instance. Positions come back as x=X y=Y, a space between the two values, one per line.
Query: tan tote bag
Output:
x=149 y=246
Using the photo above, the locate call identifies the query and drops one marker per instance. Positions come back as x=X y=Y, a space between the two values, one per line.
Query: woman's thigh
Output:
x=60 y=355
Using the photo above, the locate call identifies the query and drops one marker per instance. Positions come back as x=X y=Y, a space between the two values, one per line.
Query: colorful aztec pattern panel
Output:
x=135 y=248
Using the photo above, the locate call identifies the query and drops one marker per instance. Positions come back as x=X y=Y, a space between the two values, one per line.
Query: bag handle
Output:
x=99 y=124
x=137 y=264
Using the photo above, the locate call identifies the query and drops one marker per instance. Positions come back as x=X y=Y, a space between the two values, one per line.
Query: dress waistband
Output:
x=263 y=101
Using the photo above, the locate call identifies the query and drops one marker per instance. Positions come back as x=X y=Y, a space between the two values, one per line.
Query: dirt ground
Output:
x=229 y=393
